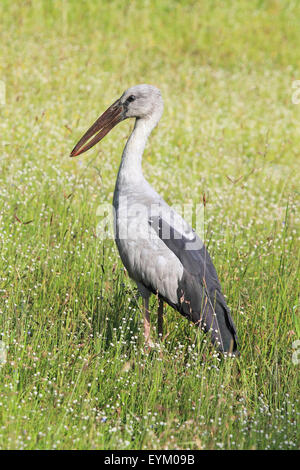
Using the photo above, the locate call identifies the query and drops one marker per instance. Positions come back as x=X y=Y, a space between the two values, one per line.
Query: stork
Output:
x=160 y=251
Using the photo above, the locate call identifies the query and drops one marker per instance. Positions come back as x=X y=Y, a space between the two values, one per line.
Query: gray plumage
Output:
x=161 y=252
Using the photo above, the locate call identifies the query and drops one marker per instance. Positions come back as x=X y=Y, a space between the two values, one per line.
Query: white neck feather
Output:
x=130 y=170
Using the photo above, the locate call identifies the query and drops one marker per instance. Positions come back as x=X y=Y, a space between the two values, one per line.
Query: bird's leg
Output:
x=147 y=321
x=160 y=319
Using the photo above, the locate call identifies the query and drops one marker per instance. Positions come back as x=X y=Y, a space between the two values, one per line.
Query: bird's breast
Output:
x=145 y=256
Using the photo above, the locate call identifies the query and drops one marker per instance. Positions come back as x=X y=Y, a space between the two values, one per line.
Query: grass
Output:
x=76 y=375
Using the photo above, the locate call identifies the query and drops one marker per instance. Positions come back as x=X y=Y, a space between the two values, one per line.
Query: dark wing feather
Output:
x=199 y=292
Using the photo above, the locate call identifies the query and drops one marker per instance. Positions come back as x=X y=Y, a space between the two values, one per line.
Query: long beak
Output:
x=109 y=119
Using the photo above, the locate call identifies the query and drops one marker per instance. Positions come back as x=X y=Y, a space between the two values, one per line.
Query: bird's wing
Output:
x=198 y=290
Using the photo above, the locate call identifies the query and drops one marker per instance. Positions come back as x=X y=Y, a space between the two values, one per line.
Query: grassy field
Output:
x=76 y=375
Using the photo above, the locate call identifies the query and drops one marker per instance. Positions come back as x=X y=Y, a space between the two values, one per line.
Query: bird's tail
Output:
x=216 y=321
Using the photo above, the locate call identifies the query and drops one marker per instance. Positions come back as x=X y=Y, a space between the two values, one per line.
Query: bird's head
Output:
x=140 y=102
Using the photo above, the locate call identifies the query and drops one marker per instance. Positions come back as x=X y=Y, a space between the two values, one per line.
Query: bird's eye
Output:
x=130 y=98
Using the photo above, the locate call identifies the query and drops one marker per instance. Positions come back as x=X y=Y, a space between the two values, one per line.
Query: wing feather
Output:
x=199 y=291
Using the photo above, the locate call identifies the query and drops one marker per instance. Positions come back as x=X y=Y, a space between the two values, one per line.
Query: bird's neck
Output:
x=130 y=171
